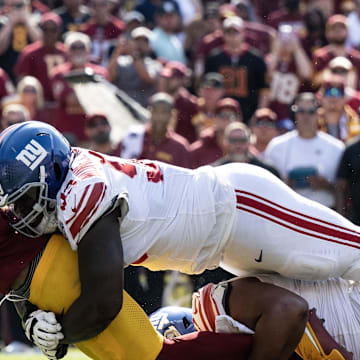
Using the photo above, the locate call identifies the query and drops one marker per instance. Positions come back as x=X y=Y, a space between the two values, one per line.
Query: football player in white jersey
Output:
x=236 y=215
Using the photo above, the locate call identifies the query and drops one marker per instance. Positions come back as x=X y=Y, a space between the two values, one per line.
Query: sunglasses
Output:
x=236 y=140
x=334 y=92
x=77 y=47
x=19 y=6
x=306 y=111
x=96 y=123
x=266 y=123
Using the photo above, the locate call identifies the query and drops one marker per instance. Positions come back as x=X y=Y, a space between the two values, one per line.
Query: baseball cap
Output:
x=167 y=7
x=233 y=22
x=213 y=79
x=141 y=31
x=133 y=16
x=227 y=10
x=50 y=16
x=161 y=97
x=340 y=62
x=336 y=19
x=265 y=115
x=175 y=68
x=227 y=103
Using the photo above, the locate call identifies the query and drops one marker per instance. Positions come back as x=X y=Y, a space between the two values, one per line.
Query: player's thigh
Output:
x=275 y=229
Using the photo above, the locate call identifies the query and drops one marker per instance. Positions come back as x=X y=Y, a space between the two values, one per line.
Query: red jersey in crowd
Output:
x=70 y=118
x=173 y=149
x=205 y=150
x=39 y=61
x=283 y=88
x=186 y=106
x=103 y=38
x=283 y=16
x=324 y=55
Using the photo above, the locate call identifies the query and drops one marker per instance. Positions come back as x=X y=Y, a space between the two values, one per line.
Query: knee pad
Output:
x=309 y=267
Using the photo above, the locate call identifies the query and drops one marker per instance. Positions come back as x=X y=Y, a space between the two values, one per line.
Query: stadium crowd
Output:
x=271 y=83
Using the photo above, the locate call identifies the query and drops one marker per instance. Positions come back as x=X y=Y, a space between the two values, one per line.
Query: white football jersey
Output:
x=172 y=212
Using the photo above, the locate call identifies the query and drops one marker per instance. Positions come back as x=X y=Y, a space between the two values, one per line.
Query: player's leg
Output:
x=275 y=229
x=207 y=345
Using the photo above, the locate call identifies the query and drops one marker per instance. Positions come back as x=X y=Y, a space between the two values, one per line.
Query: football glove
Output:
x=42 y=329
x=317 y=343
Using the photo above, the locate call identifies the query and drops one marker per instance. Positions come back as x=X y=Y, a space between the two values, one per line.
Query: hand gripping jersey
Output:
x=168 y=213
x=317 y=343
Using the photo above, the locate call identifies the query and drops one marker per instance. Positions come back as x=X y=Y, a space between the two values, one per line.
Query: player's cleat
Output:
x=317 y=343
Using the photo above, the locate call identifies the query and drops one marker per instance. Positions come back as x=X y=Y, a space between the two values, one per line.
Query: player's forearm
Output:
x=86 y=319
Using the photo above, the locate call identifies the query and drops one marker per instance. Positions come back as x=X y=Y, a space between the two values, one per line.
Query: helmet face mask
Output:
x=31 y=206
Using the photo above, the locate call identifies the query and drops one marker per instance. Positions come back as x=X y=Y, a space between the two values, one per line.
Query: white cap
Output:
x=141 y=31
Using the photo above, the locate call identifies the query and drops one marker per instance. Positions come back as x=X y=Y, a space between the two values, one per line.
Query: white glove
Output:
x=43 y=330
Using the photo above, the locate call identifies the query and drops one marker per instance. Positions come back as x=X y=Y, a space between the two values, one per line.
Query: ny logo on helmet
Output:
x=32 y=155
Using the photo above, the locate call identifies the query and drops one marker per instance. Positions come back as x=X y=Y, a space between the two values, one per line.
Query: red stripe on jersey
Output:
x=210 y=315
x=85 y=170
x=78 y=207
x=96 y=192
x=140 y=260
x=94 y=209
x=295 y=229
x=297 y=220
x=293 y=211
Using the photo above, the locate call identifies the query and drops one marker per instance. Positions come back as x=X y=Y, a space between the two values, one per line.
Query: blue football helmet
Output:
x=34 y=160
x=172 y=321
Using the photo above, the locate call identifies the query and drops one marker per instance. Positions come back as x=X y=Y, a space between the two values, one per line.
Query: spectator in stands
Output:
x=306 y=158
x=17 y=30
x=263 y=8
x=103 y=30
x=259 y=36
x=70 y=118
x=336 y=117
x=14 y=114
x=244 y=71
x=289 y=14
x=314 y=35
x=209 y=147
x=157 y=141
x=40 y=58
x=149 y=9
x=288 y=67
x=31 y=96
x=237 y=147
x=98 y=130
x=353 y=21
x=264 y=126
x=132 y=69
x=199 y=28
x=348 y=183
x=172 y=81
x=336 y=33
x=211 y=90
x=73 y=14
x=6 y=86
x=165 y=43
x=132 y=20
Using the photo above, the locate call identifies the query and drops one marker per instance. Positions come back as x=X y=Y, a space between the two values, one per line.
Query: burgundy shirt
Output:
x=70 y=118
x=186 y=106
x=39 y=61
x=324 y=55
x=283 y=16
x=205 y=150
x=173 y=149
x=103 y=38
x=16 y=252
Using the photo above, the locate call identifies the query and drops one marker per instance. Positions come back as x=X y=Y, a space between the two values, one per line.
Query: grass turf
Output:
x=73 y=354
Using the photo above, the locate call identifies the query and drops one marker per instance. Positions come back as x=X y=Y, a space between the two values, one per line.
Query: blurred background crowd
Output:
x=271 y=83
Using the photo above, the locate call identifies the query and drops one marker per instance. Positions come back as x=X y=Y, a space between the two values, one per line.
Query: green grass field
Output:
x=73 y=354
